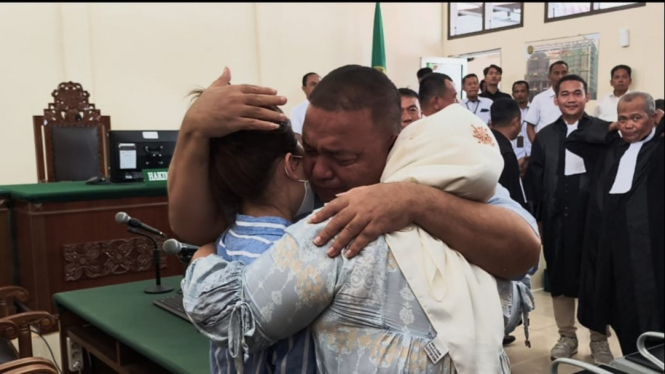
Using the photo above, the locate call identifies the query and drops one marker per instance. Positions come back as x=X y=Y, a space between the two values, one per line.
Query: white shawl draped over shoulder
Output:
x=452 y=150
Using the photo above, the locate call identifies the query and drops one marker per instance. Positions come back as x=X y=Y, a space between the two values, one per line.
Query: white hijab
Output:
x=455 y=151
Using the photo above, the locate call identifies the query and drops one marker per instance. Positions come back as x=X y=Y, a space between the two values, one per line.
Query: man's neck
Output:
x=493 y=89
x=504 y=131
x=474 y=99
x=572 y=119
x=620 y=93
x=523 y=105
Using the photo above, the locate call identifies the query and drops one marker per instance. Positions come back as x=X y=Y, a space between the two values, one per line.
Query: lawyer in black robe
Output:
x=622 y=267
x=560 y=203
x=510 y=176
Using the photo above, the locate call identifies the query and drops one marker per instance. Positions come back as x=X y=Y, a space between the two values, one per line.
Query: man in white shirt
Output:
x=522 y=145
x=480 y=106
x=297 y=117
x=606 y=109
x=543 y=111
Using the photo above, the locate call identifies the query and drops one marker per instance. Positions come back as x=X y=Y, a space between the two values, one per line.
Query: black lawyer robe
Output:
x=622 y=266
x=510 y=176
x=560 y=203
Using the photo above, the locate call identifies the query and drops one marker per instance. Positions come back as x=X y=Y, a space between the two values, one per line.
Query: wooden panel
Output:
x=5 y=246
x=77 y=245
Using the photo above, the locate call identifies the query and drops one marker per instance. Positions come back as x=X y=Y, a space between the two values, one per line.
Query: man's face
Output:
x=312 y=81
x=343 y=150
x=493 y=77
x=572 y=98
x=621 y=80
x=471 y=87
x=410 y=110
x=634 y=122
x=520 y=93
x=558 y=72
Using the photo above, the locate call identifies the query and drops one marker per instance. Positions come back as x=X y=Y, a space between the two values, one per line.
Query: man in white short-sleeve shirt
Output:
x=606 y=109
x=543 y=111
x=480 y=106
x=297 y=117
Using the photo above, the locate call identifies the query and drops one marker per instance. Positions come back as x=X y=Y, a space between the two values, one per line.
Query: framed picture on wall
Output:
x=580 y=53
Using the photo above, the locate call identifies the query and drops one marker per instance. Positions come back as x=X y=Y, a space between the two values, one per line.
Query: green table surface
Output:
x=80 y=191
x=126 y=313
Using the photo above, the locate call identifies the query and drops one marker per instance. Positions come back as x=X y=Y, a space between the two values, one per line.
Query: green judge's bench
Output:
x=62 y=236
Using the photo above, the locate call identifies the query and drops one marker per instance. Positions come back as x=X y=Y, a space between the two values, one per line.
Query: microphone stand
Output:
x=158 y=287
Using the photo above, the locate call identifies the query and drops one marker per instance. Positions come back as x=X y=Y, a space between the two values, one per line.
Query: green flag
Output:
x=378 y=47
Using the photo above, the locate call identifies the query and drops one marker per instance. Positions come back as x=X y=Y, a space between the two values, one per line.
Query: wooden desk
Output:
x=67 y=238
x=126 y=333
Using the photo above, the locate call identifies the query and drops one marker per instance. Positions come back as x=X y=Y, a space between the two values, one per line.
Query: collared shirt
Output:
x=525 y=149
x=480 y=107
x=495 y=96
x=297 y=117
x=606 y=108
x=363 y=315
x=244 y=241
x=543 y=111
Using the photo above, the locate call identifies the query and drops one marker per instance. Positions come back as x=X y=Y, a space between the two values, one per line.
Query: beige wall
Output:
x=138 y=61
x=645 y=53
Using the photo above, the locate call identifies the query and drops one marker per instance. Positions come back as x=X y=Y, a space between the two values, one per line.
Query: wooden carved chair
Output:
x=31 y=365
x=70 y=138
x=17 y=326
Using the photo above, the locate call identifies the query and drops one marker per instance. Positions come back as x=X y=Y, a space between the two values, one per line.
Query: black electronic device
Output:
x=173 y=305
x=97 y=180
x=132 y=151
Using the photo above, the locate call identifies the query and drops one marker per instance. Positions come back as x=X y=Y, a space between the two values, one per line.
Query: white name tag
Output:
x=436 y=349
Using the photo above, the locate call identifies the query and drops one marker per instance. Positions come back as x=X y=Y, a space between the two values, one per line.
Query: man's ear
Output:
x=586 y=97
x=556 y=100
x=303 y=89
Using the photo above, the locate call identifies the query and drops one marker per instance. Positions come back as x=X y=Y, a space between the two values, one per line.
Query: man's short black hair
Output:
x=503 y=111
x=521 y=82
x=624 y=67
x=433 y=84
x=497 y=68
x=355 y=87
x=407 y=92
x=560 y=62
x=570 y=77
x=660 y=104
x=304 y=78
x=423 y=72
x=468 y=76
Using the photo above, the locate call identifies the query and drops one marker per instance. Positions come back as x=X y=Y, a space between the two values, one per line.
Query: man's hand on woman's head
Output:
x=223 y=109
x=363 y=214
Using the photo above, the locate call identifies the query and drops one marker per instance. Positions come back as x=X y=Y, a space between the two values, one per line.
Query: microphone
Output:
x=173 y=247
x=124 y=218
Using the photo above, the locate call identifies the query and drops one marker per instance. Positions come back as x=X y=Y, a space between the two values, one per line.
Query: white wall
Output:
x=138 y=61
x=645 y=54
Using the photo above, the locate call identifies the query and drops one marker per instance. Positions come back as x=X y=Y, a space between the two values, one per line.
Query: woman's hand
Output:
x=223 y=109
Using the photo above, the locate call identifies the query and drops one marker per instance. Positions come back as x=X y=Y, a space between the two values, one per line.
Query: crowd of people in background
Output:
x=564 y=166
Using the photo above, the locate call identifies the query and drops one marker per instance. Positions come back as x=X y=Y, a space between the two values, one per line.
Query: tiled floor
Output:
x=543 y=335
x=534 y=360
